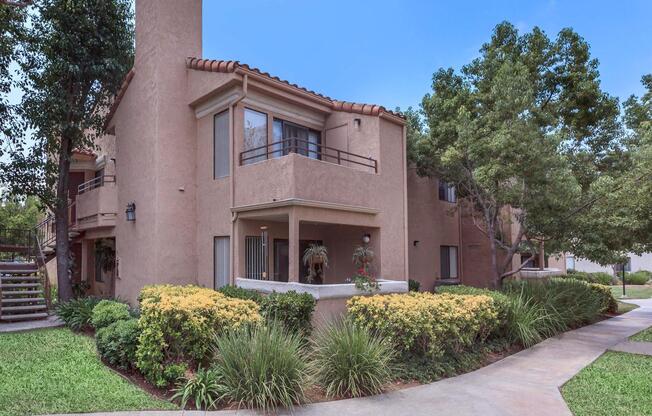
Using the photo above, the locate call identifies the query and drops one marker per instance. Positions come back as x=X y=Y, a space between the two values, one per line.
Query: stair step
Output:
x=22 y=308
x=19 y=285
x=21 y=300
x=19 y=278
x=11 y=293
x=24 y=317
x=18 y=271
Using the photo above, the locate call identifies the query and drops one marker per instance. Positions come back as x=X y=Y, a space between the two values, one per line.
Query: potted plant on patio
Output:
x=363 y=256
x=316 y=259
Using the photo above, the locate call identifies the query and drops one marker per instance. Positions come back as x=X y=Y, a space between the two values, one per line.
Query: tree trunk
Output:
x=62 y=225
x=494 y=257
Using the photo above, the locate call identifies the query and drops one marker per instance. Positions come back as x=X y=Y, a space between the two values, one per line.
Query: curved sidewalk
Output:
x=524 y=383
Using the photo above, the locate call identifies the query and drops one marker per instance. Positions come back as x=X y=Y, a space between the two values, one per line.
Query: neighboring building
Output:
x=213 y=172
x=634 y=264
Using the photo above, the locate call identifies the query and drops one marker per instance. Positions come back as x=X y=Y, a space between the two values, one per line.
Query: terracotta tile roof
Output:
x=119 y=95
x=212 y=65
x=84 y=152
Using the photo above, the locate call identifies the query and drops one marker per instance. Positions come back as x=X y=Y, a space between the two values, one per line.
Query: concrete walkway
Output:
x=526 y=383
x=633 y=347
x=51 y=321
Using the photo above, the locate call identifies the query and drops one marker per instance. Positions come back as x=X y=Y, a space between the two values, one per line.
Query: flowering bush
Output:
x=177 y=325
x=425 y=323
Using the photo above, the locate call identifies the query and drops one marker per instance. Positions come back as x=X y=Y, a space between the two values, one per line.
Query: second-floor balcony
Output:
x=97 y=203
x=311 y=150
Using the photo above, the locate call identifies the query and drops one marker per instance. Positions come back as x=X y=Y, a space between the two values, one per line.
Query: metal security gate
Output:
x=256 y=257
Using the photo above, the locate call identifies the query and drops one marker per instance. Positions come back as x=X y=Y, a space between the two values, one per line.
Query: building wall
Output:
x=642 y=262
x=156 y=151
x=432 y=224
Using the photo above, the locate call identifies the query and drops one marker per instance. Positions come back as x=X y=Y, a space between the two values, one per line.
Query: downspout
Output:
x=406 y=254
x=234 y=215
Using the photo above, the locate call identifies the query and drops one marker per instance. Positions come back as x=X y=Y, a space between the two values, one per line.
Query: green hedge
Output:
x=294 y=310
x=640 y=277
x=108 y=312
x=240 y=293
x=118 y=341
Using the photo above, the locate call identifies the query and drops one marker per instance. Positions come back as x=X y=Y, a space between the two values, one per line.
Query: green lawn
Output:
x=643 y=335
x=632 y=291
x=58 y=371
x=615 y=384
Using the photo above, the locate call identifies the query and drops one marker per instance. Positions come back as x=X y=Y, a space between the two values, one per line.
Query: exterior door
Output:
x=281 y=260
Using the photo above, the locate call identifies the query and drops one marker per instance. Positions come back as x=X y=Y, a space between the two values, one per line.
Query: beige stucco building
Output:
x=213 y=172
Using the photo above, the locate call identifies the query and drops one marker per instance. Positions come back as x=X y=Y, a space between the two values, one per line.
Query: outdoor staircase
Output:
x=21 y=293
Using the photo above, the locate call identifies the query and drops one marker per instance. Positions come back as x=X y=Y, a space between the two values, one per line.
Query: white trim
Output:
x=265 y=103
x=334 y=291
x=305 y=203
x=217 y=104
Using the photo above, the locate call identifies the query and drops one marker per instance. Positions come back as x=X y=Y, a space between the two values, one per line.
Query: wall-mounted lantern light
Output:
x=366 y=238
x=131 y=211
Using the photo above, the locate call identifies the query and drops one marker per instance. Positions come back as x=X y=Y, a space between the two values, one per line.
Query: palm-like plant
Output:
x=315 y=258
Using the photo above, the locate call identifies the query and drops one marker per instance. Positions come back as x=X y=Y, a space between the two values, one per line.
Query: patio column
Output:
x=293 y=246
x=237 y=239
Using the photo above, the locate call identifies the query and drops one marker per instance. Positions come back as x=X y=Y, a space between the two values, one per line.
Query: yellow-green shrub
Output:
x=178 y=323
x=609 y=303
x=425 y=323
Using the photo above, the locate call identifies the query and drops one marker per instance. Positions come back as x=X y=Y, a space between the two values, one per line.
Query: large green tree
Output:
x=74 y=58
x=12 y=20
x=618 y=218
x=522 y=132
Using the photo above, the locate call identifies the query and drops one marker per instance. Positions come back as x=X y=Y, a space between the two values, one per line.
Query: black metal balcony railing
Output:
x=95 y=183
x=306 y=148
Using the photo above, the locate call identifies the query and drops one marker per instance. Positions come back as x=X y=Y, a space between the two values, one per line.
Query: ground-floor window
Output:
x=222 y=261
x=448 y=260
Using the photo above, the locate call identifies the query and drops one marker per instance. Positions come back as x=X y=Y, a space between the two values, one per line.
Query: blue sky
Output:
x=385 y=51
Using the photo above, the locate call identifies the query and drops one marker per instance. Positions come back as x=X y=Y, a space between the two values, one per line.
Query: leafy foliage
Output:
x=106 y=312
x=638 y=278
x=204 y=389
x=240 y=293
x=597 y=277
x=294 y=310
x=178 y=324
x=501 y=303
x=349 y=361
x=261 y=366
x=570 y=302
x=74 y=56
x=414 y=285
x=521 y=131
x=77 y=313
x=118 y=341
x=426 y=324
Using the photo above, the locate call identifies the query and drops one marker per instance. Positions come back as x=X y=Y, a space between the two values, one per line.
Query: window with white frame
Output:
x=447 y=192
x=255 y=136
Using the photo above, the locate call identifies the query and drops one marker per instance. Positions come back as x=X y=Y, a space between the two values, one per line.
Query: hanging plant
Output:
x=316 y=259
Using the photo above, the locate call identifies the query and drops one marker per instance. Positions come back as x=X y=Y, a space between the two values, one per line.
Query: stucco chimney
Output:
x=167 y=30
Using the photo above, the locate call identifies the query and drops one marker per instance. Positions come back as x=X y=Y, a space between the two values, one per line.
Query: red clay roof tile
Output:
x=213 y=65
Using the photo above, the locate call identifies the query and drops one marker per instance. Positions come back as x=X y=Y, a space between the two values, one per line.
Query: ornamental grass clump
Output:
x=77 y=313
x=349 y=361
x=204 y=389
x=425 y=323
x=261 y=366
x=571 y=302
x=178 y=324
